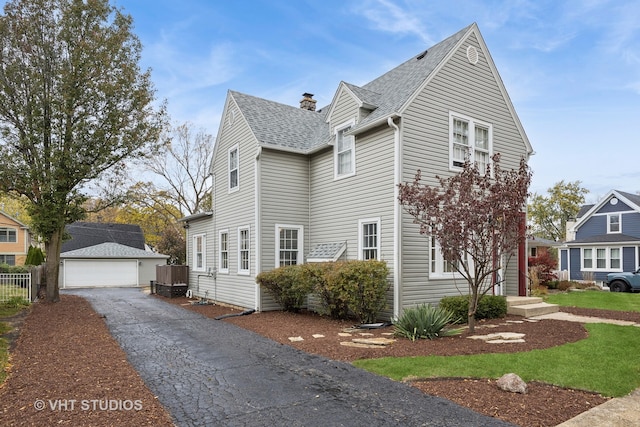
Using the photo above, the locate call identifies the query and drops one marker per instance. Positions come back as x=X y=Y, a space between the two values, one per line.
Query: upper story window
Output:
x=289 y=241
x=199 y=259
x=234 y=168
x=614 y=223
x=344 y=151
x=439 y=267
x=224 y=251
x=369 y=239
x=8 y=235
x=469 y=140
x=243 y=250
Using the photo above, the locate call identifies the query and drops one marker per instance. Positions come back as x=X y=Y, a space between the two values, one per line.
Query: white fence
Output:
x=15 y=285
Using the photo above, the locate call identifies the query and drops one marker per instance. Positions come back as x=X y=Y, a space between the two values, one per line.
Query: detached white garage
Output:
x=108 y=265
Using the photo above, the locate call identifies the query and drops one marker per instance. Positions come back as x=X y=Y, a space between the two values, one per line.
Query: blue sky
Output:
x=572 y=68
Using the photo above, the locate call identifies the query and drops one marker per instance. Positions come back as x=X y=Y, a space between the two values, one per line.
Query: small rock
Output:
x=512 y=383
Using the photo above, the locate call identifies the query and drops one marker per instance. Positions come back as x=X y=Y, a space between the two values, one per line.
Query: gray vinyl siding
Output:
x=470 y=90
x=200 y=283
x=594 y=226
x=284 y=199
x=346 y=109
x=338 y=205
x=235 y=210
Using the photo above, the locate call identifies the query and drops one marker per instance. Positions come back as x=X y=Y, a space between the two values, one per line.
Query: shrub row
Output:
x=345 y=289
x=489 y=307
x=5 y=268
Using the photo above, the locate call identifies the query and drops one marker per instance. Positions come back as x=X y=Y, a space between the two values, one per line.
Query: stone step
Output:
x=531 y=310
x=512 y=300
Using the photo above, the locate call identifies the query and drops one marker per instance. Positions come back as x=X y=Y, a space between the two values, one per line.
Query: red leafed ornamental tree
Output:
x=475 y=218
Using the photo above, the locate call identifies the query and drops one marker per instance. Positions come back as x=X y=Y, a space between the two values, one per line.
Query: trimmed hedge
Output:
x=489 y=306
x=5 y=268
x=287 y=285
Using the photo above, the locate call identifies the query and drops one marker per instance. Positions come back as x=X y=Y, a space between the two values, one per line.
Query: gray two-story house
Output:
x=604 y=238
x=307 y=184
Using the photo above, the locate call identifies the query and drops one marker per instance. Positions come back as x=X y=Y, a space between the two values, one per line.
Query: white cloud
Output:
x=391 y=18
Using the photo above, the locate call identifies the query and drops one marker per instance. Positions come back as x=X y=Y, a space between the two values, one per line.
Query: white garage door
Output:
x=88 y=273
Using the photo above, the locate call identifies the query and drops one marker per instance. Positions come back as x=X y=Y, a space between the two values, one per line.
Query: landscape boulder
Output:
x=513 y=383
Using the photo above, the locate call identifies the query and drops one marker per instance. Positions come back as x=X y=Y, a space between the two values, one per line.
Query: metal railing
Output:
x=15 y=285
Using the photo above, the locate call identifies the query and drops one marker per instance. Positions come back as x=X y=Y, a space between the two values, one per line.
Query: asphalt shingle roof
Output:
x=110 y=250
x=85 y=234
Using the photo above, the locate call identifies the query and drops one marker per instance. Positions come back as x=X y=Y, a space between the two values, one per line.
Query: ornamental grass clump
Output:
x=425 y=321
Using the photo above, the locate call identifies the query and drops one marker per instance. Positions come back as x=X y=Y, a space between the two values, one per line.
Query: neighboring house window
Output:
x=345 y=151
x=469 y=140
x=243 y=250
x=369 y=239
x=234 y=168
x=289 y=245
x=613 y=222
x=224 y=251
x=8 y=235
x=602 y=259
x=199 y=252
x=533 y=252
x=8 y=259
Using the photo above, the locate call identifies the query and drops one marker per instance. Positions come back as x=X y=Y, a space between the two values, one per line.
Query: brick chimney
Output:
x=307 y=102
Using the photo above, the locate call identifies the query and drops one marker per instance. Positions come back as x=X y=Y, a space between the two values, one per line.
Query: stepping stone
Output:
x=380 y=341
x=500 y=337
x=296 y=339
x=366 y=334
x=344 y=334
x=317 y=336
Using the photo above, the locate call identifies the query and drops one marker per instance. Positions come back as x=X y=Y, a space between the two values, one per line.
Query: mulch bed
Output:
x=65 y=353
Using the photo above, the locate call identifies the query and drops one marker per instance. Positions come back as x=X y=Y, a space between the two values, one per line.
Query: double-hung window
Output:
x=469 y=140
x=244 y=246
x=439 y=266
x=224 y=251
x=8 y=235
x=602 y=259
x=613 y=223
x=234 y=169
x=344 y=151
x=199 y=252
x=289 y=245
x=369 y=239
x=8 y=259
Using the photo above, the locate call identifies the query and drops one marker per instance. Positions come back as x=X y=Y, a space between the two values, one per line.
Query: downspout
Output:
x=397 y=218
x=216 y=252
x=257 y=219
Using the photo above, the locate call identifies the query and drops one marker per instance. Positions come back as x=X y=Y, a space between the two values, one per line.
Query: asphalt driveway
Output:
x=211 y=373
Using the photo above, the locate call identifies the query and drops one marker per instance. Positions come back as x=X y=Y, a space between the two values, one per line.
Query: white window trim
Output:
x=244 y=272
x=300 y=228
x=204 y=252
x=439 y=273
x=221 y=269
x=336 y=130
x=7 y=230
x=471 y=138
x=361 y=247
x=237 y=169
x=594 y=259
x=619 y=215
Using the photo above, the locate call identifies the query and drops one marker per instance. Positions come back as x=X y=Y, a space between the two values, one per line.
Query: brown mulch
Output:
x=66 y=369
x=65 y=352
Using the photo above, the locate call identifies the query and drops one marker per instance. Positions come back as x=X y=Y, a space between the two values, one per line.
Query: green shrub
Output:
x=355 y=288
x=425 y=321
x=333 y=294
x=489 y=307
x=5 y=268
x=16 y=302
x=287 y=286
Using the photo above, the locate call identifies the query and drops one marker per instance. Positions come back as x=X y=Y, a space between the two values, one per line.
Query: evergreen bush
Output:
x=489 y=307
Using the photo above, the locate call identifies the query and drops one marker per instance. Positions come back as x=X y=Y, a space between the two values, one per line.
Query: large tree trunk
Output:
x=52 y=247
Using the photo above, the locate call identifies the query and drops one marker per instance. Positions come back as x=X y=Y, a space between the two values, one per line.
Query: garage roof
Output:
x=110 y=250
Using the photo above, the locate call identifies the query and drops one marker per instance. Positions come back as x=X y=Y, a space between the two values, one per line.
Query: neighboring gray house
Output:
x=605 y=238
x=294 y=185
x=106 y=254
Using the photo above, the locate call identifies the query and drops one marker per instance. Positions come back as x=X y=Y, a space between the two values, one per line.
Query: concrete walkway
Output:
x=212 y=373
x=619 y=412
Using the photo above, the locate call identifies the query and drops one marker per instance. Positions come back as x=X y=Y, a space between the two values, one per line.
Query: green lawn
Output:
x=619 y=301
x=7 y=310
x=608 y=362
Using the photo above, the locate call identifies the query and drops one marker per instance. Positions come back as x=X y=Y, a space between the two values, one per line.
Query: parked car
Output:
x=624 y=282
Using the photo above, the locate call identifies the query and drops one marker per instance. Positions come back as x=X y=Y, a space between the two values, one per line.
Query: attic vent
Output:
x=231 y=117
x=472 y=55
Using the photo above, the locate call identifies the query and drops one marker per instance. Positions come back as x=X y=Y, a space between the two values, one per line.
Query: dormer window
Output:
x=613 y=221
x=344 y=152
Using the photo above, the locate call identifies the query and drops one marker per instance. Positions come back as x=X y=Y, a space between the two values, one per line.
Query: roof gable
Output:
x=86 y=234
x=110 y=250
x=11 y=221
x=625 y=201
